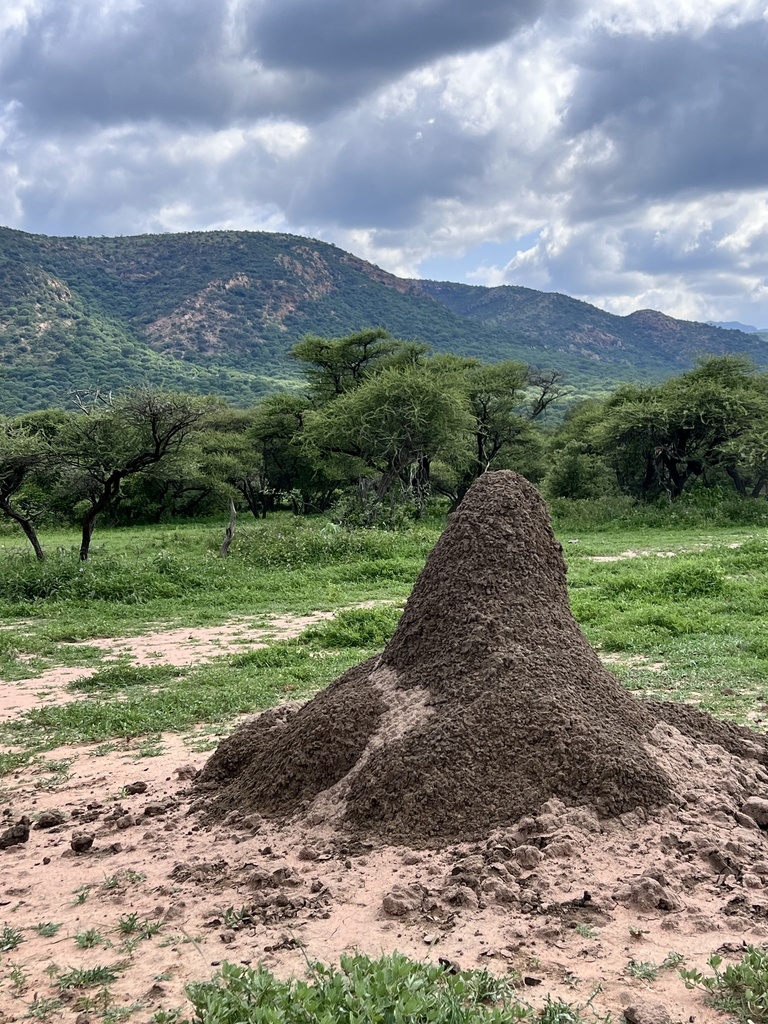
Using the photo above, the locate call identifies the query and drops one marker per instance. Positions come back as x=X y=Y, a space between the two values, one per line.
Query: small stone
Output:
x=49 y=819
x=227 y=937
x=647 y=1011
x=430 y=939
x=125 y=821
x=308 y=853
x=152 y=810
x=46 y=860
x=757 y=809
x=81 y=841
x=750 y=881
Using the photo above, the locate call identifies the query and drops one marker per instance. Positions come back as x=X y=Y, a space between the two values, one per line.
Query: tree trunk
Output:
x=738 y=483
x=107 y=496
x=26 y=524
x=229 y=534
x=89 y=522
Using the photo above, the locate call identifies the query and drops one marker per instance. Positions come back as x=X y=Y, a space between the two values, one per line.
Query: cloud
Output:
x=214 y=61
x=658 y=116
x=616 y=150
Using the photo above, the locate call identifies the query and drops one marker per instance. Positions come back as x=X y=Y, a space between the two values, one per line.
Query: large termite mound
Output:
x=487 y=702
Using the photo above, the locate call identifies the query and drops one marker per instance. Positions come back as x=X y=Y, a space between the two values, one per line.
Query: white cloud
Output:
x=625 y=140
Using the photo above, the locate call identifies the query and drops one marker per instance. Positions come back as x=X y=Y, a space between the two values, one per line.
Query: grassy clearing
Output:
x=132 y=701
x=690 y=627
x=687 y=626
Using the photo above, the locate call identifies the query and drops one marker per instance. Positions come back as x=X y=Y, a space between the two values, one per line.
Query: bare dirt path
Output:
x=183 y=646
x=250 y=891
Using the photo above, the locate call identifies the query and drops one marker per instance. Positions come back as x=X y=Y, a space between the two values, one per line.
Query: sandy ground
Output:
x=570 y=906
x=179 y=647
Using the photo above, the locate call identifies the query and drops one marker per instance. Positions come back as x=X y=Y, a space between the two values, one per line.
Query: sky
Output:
x=615 y=150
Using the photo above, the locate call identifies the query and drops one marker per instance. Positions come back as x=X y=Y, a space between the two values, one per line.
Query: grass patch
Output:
x=116 y=678
x=10 y=938
x=47 y=929
x=392 y=988
x=90 y=977
x=12 y=762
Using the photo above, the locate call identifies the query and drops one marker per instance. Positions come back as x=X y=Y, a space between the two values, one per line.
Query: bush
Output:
x=106 y=578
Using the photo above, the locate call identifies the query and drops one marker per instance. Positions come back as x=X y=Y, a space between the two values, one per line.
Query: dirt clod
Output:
x=49 y=819
x=82 y=841
x=18 y=833
x=647 y=1011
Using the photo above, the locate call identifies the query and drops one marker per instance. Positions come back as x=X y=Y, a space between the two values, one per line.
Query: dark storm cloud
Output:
x=381 y=172
x=76 y=62
x=198 y=62
x=670 y=114
x=373 y=39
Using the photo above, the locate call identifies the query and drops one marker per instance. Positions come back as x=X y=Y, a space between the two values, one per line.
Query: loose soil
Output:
x=483 y=792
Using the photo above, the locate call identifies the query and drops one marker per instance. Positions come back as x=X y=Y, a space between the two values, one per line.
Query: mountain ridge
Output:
x=217 y=312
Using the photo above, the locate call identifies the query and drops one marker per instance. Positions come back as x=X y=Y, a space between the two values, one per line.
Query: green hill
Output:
x=217 y=312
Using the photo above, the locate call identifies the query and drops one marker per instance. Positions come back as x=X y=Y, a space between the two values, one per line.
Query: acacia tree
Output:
x=661 y=438
x=504 y=399
x=389 y=425
x=22 y=452
x=333 y=366
x=112 y=439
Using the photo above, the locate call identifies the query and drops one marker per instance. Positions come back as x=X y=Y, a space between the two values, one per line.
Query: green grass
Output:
x=10 y=938
x=89 y=938
x=47 y=929
x=698 y=618
x=392 y=988
x=688 y=627
x=89 y=977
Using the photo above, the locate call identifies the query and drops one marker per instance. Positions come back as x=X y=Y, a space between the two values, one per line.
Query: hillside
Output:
x=217 y=312
x=644 y=339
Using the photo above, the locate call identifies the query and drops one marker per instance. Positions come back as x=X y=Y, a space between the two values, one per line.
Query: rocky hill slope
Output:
x=218 y=311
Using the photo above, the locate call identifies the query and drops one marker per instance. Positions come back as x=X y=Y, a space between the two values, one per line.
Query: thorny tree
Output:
x=114 y=438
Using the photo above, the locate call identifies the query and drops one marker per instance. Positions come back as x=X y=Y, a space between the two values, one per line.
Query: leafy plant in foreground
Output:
x=392 y=988
x=741 y=989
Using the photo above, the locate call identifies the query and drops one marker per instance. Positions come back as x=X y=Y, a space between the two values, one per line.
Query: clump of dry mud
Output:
x=487 y=703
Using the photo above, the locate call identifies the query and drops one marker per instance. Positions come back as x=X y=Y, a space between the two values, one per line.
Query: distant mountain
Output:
x=217 y=312
x=734 y=325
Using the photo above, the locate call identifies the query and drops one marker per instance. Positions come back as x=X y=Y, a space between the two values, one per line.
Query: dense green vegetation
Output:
x=385 y=428
x=389 y=990
x=218 y=312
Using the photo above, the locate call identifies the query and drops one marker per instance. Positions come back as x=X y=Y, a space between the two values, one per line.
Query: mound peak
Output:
x=487 y=702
